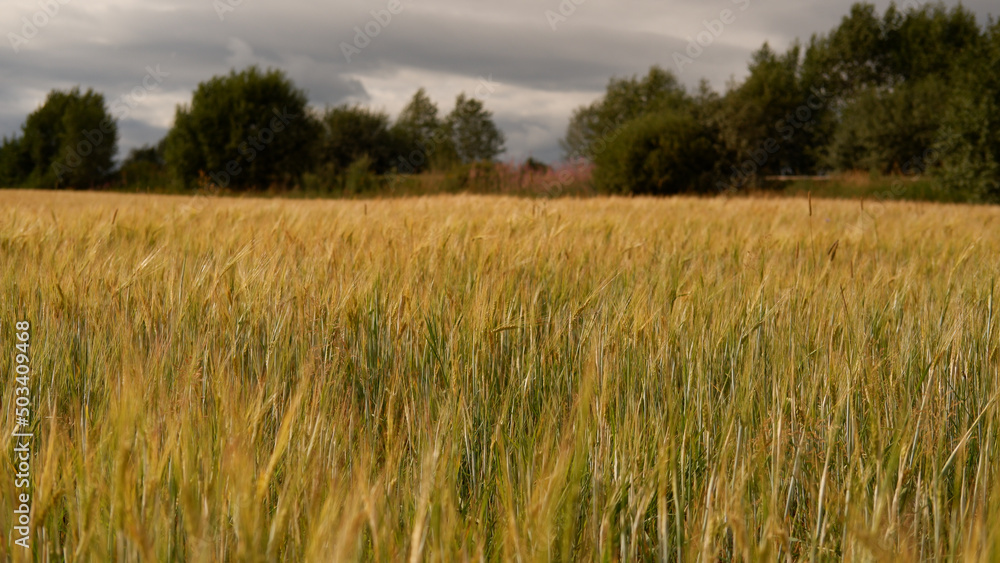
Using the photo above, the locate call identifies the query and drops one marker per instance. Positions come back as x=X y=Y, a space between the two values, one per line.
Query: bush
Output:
x=663 y=153
x=143 y=169
x=474 y=177
x=359 y=178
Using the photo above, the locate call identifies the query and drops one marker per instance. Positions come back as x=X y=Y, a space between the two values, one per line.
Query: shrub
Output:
x=663 y=153
x=359 y=177
x=143 y=169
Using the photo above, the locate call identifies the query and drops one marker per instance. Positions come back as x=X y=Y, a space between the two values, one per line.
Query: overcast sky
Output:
x=531 y=61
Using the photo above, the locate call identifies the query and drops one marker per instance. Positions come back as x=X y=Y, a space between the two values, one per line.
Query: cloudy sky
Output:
x=531 y=61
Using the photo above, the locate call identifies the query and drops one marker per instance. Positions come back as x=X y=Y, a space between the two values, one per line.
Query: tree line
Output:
x=912 y=91
x=247 y=130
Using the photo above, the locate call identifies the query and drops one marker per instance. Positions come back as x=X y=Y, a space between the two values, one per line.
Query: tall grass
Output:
x=467 y=378
x=860 y=185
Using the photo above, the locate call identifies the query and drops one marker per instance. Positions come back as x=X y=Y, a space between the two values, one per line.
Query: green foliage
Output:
x=866 y=51
x=351 y=133
x=970 y=146
x=927 y=42
x=626 y=99
x=884 y=130
x=971 y=156
x=70 y=141
x=474 y=177
x=419 y=130
x=855 y=54
x=473 y=134
x=873 y=187
x=909 y=92
x=419 y=119
x=893 y=80
x=425 y=142
x=15 y=163
x=665 y=153
x=144 y=168
x=246 y=130
x=359 y=177
x=772 y=119
x=536 y=166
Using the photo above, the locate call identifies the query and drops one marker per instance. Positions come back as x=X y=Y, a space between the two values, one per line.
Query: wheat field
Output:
x=483 y=378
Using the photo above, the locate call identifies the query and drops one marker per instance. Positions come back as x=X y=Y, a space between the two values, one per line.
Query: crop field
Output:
x=456 y=378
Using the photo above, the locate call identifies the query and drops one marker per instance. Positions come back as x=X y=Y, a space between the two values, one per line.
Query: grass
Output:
x=858 y=185
x=466 y=377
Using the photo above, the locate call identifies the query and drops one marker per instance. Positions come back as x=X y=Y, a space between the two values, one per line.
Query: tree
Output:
x=70 y=141
x=144 y=167
x=352 y=132
x=889 y=81
x=146 y=153
x=472 y=132
x=15 y=165
x=418 y=124
x=907 y=92
x=856 y=54
x=771 y=123
x=926 y=42
x=419 y=119
x=665 y=153
x=968 y=144
x=884 y=130
x=425 y=142
x=250 y=129
x=866 y=51
x=591 y=127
